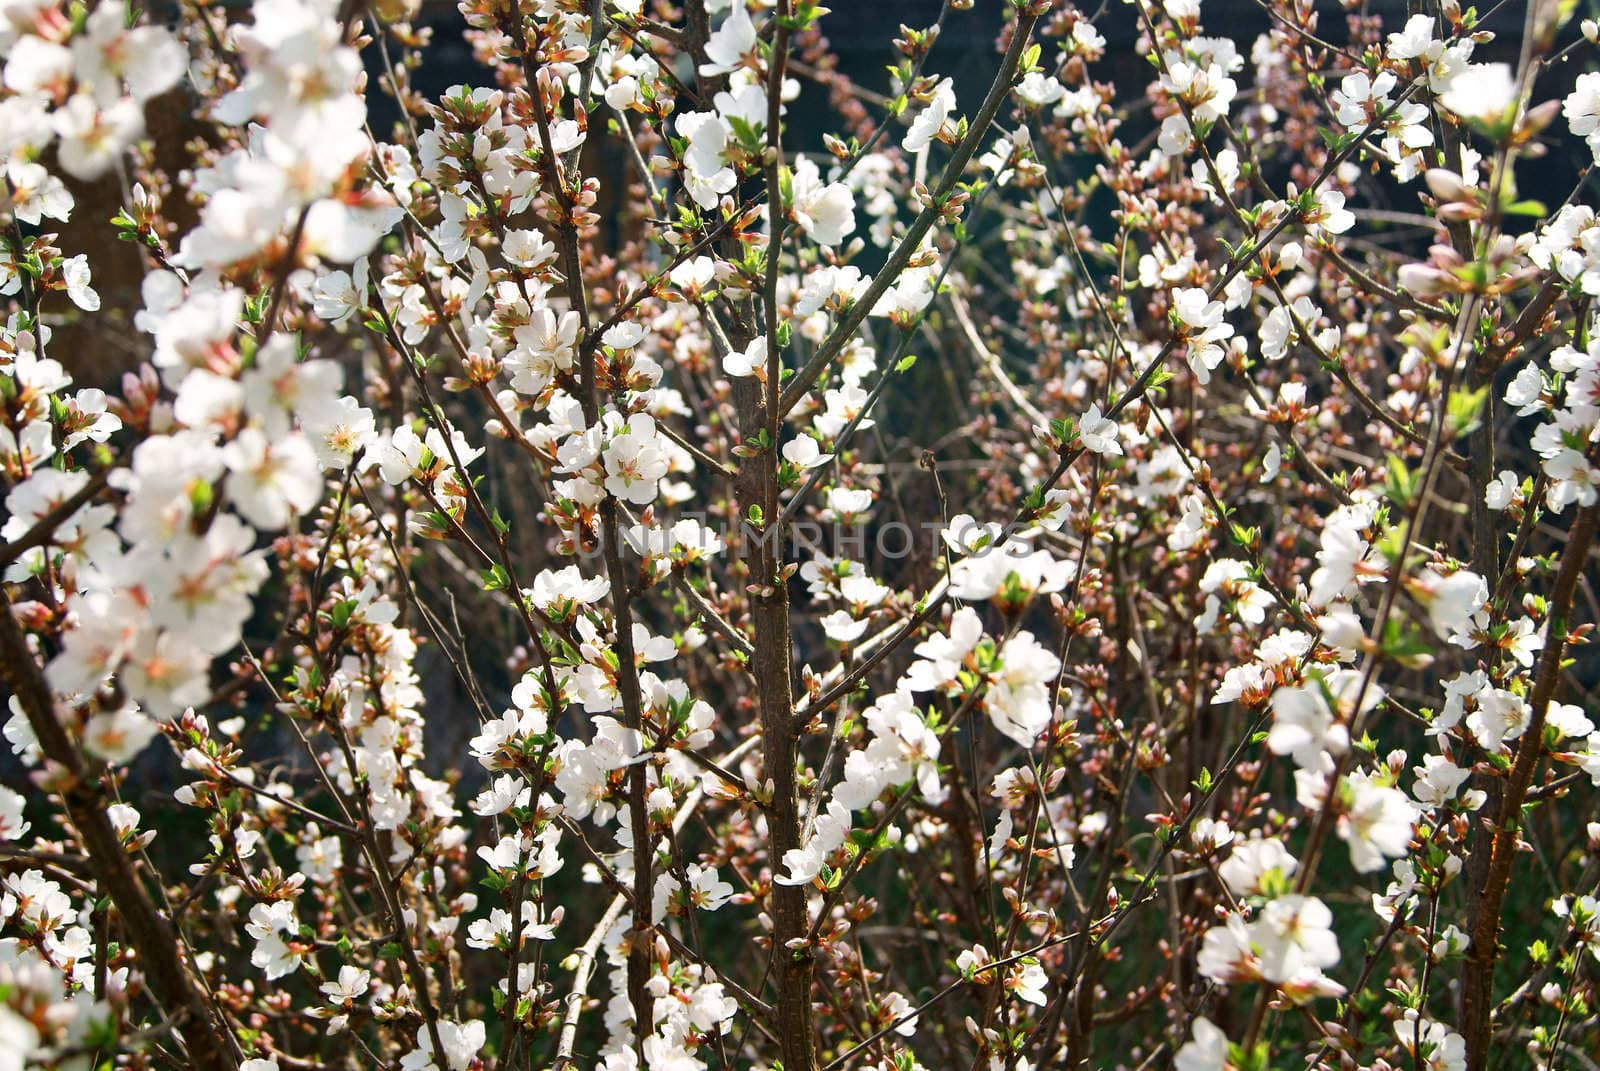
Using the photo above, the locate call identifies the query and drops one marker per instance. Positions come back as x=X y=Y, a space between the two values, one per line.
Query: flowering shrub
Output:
x=588 y=634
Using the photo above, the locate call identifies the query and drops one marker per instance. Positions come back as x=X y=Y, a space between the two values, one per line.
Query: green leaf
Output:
x=1400 y=484
x=1403 y=643
x=340 y=615
x=1464 y=409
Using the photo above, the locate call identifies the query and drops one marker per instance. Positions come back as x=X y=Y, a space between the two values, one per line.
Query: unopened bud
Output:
x=1446 y=185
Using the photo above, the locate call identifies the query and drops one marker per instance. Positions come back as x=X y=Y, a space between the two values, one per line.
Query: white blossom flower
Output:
x=1254 y=862
x=75 y=273
x=36 y=194
x=933 y=122
x=1098 y=434
x=1206 y=1049
x=1484 y=91
x=825 y=211
x=750 y=361
x=1294 y=938
x=12 y=825
x=1019 y=698
x=1376 y=822
x=730 y=42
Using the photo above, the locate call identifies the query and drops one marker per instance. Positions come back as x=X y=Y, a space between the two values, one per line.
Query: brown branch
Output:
x=1478 y=975
x=44 y=529
x=150 y=934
